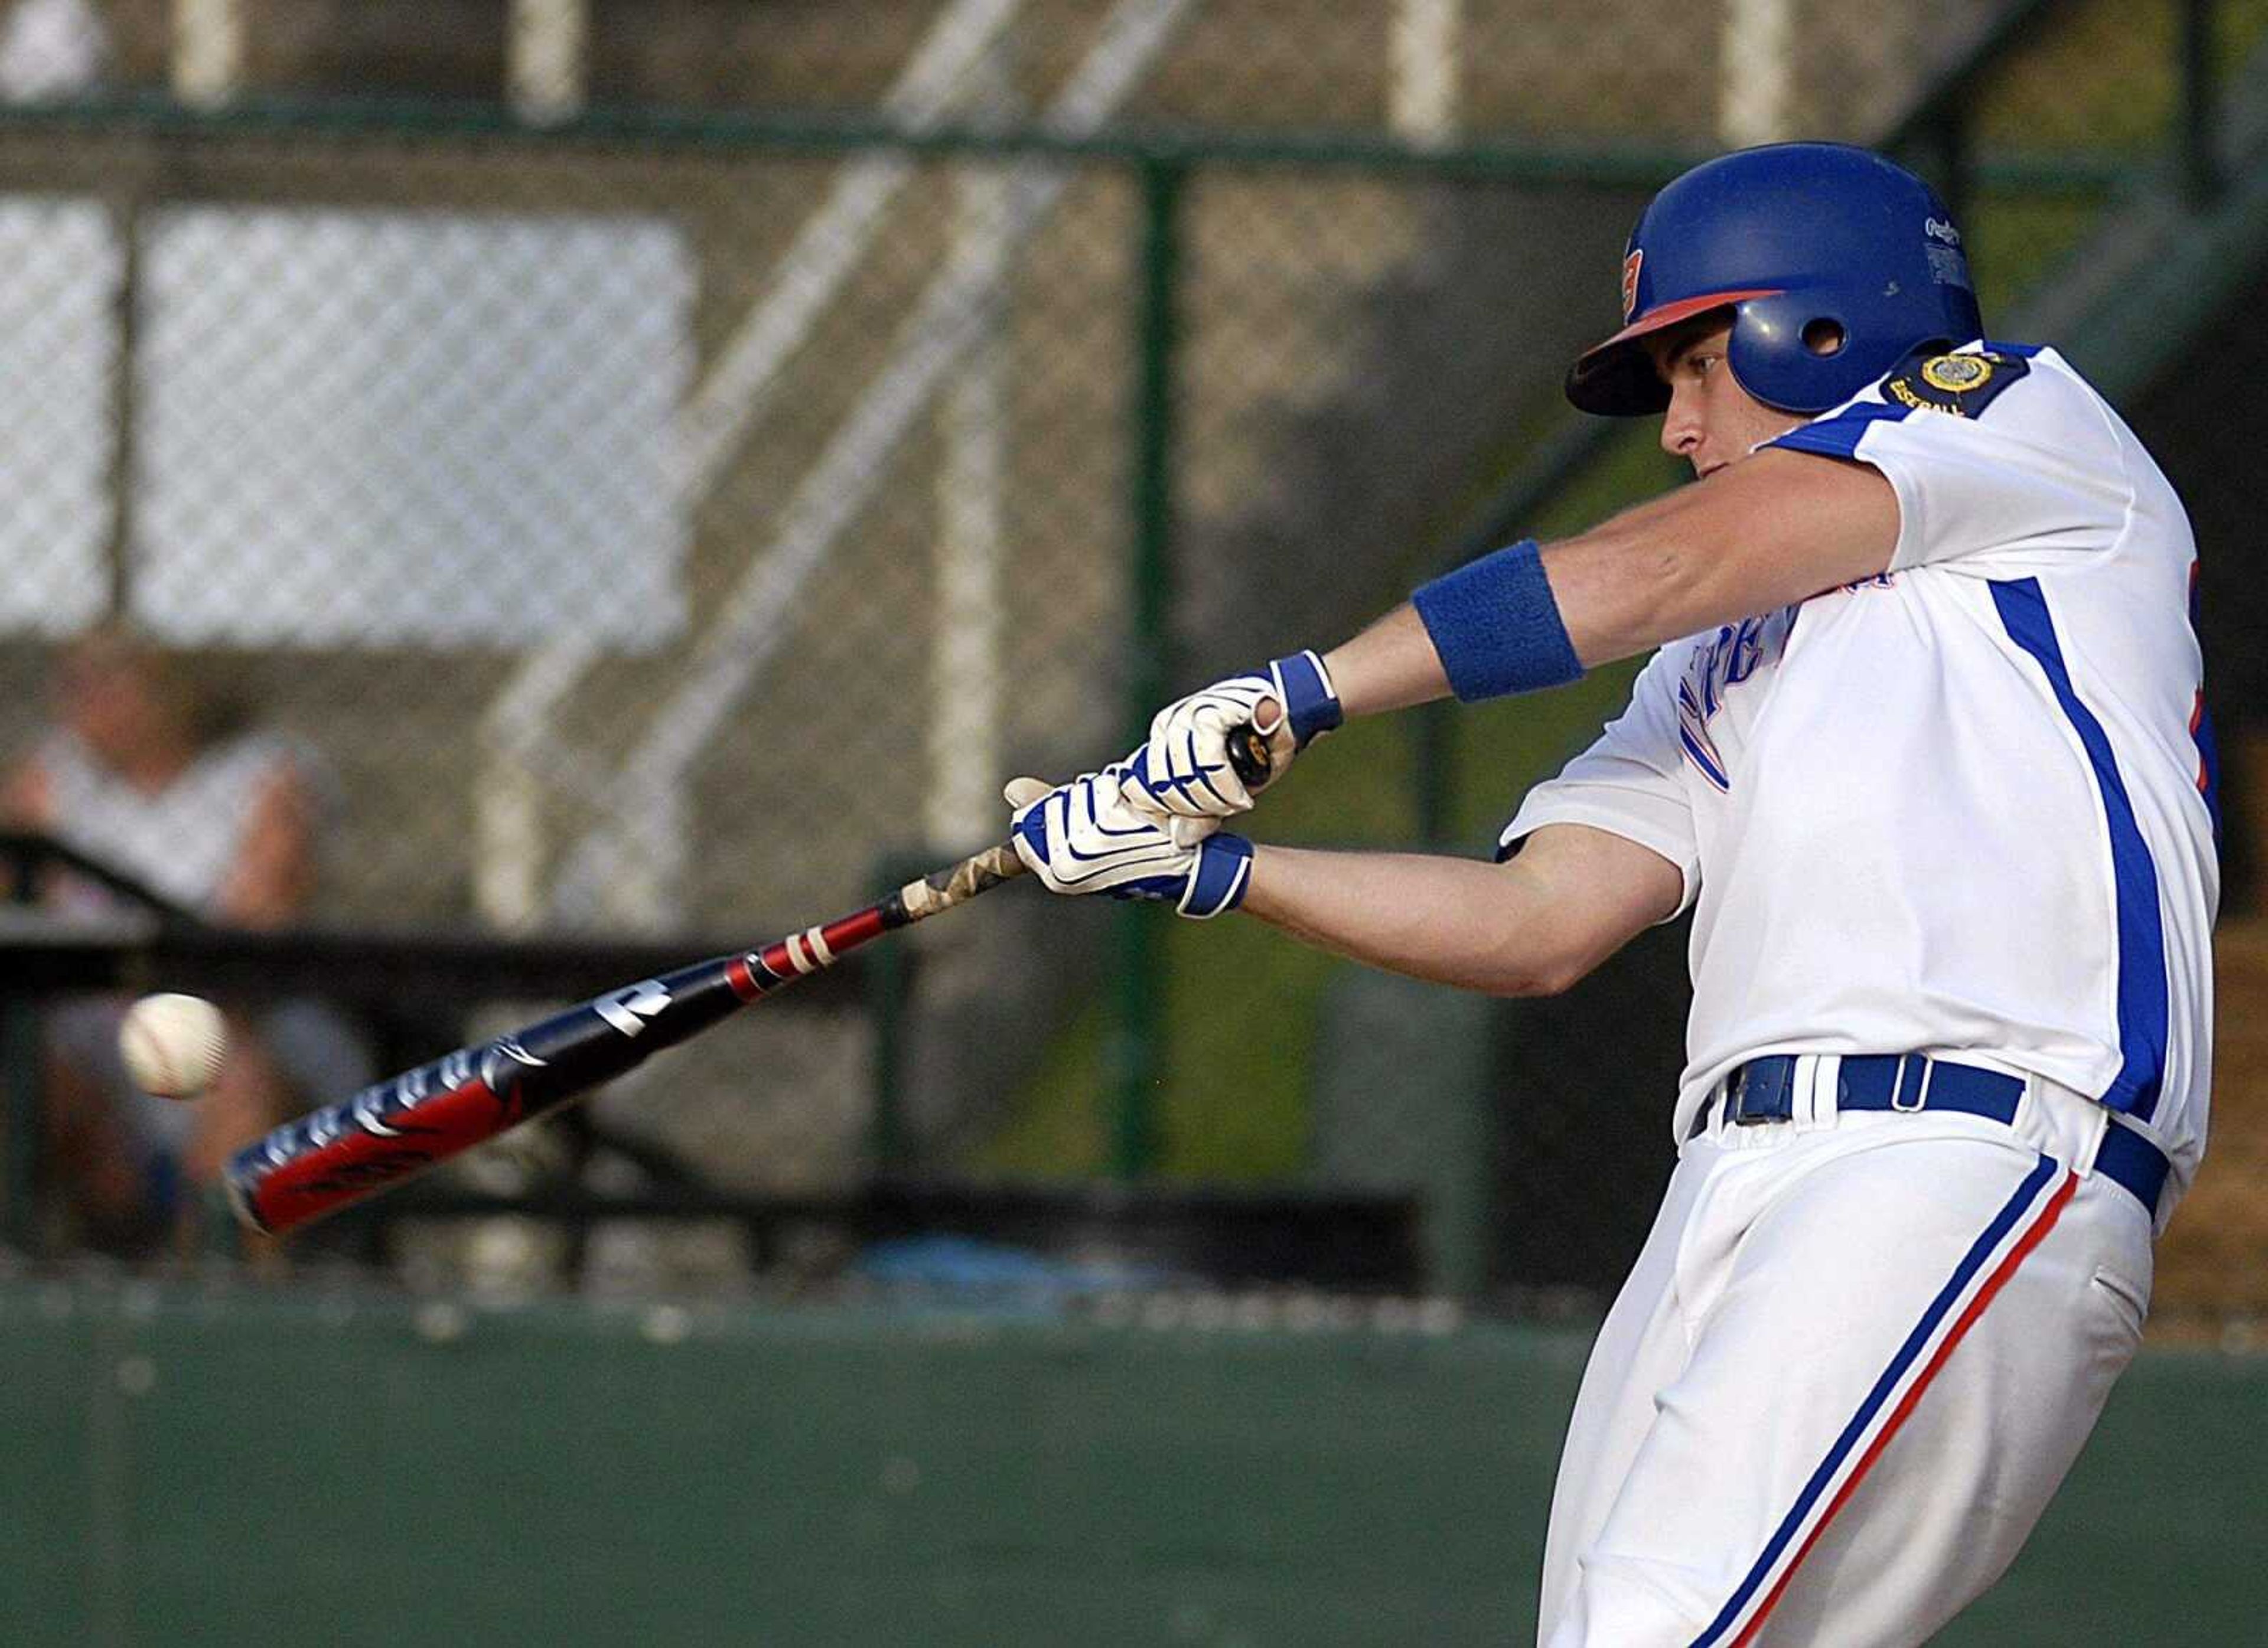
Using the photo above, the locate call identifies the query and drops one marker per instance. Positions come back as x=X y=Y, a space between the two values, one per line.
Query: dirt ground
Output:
x=2212 y=1264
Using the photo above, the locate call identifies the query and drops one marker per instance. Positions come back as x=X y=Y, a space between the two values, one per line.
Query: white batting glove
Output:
x=1184 y=770
x=1087 y=836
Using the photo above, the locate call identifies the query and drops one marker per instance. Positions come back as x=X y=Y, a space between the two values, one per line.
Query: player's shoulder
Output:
x=1966 y=383
x=1986 y=389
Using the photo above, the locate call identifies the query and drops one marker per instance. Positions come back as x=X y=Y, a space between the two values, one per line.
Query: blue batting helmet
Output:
x=1834 y=262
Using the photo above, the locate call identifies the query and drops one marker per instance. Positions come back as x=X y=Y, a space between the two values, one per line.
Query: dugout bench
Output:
x=415 y=992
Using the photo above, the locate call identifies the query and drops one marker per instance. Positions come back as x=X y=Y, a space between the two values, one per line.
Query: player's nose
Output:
x=1680 y=425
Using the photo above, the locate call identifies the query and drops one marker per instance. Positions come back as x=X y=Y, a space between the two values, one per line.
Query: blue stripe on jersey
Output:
x=2142 y=1008
x=1698 y=751
x=2021 y=352
x=1838 y=437
x=1925 y=1330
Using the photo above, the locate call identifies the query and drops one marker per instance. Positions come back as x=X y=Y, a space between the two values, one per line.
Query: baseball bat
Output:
x=335 y=1156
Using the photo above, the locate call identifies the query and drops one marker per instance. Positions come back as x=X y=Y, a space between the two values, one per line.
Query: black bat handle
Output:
x=1249 y=757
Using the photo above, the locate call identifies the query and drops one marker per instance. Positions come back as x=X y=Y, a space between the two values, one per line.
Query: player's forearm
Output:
x=1776 y=529
x=1390 y=665
x=1452 y=921
x=1752 y=538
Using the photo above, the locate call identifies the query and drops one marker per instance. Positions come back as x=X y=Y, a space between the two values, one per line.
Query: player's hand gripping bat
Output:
x=345 y=1152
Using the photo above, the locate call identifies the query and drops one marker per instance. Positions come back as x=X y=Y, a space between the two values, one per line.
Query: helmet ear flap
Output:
x=1797 y=351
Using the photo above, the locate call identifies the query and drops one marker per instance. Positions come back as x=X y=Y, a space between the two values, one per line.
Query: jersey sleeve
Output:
x=1629 y=784
x=2005 y=462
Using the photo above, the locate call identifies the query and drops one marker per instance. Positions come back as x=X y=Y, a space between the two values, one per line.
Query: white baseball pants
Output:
x=1852 y=1366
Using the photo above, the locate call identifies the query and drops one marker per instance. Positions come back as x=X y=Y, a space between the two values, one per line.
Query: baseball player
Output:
x=1921 y=745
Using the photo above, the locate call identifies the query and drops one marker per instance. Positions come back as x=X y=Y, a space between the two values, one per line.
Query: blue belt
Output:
x=1764 y=1090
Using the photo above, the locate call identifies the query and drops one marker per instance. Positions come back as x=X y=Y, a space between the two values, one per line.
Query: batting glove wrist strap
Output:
x=1223 y=870
x=1303 y=687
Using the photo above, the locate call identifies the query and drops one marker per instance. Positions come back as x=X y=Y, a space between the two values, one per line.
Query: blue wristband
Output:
x=1497 y=627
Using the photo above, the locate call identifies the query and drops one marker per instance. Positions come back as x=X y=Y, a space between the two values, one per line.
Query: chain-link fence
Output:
x=449 y=492
x=1738 y=70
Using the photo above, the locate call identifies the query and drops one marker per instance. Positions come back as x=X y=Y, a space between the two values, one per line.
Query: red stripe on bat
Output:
x=359 y=1161
x=854 y=930
x=742 y=978
x=751 y=976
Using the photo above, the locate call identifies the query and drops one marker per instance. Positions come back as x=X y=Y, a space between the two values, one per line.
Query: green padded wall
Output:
x=237 y=1467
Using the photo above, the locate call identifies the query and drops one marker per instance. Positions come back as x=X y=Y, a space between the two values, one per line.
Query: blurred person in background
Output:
x=143 y=773
x=51 y=50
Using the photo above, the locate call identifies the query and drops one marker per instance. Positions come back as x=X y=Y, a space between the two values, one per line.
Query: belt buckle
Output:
x=1770 y=1102
x=1921 y=1088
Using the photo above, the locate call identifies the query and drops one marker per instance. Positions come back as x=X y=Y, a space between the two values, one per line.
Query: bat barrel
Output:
x=338 y=1155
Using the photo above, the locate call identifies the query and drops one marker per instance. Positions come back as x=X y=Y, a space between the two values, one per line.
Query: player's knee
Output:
x=1625 y=1602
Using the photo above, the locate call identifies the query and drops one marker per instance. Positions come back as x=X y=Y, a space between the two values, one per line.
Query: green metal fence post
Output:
x=2200 y=104
x=21 y=1122
x=1434 y=753
x=1136 y=1060
x=1948 y=161
x=888 y=988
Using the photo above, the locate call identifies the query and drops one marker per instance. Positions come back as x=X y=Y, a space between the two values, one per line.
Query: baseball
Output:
x=173 y=1045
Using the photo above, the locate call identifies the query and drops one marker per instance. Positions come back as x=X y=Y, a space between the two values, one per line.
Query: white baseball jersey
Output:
x=1962 y=807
